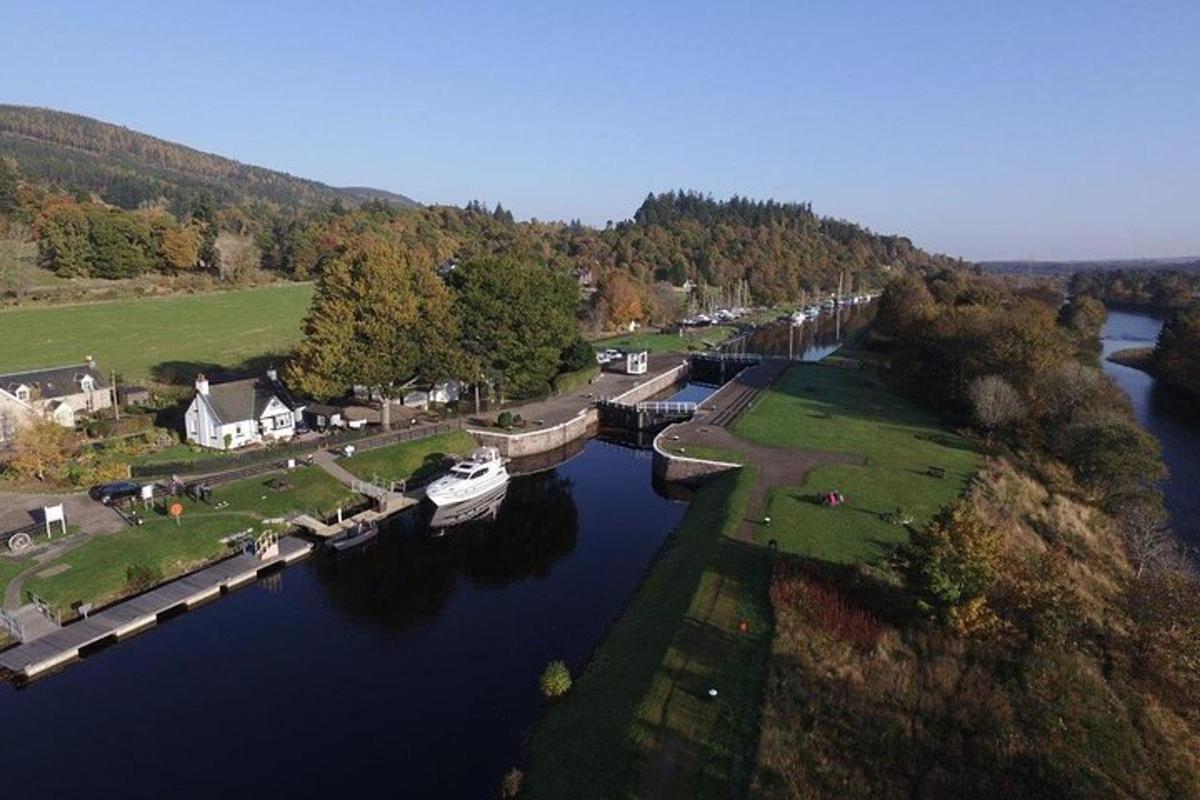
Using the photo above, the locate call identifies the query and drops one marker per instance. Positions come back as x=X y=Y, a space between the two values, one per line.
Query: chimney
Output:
x=91 y=362
x=272 y=374
x=202 y=384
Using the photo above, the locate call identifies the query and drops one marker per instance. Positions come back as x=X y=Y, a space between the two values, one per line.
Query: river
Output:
x=409 y=669
x=1171 y=418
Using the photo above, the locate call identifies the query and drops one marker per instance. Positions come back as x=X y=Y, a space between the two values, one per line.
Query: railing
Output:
x=12 y=625
x=668 y=407
x=740 y=358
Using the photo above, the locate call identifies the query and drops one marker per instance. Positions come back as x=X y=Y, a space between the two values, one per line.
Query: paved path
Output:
x=567 y=406
x=327 y=460
x=18 y=510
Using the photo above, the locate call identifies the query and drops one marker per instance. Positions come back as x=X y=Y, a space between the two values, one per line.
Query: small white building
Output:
x=226 y=416
x=446 y=392
x=635 y=363
x=416 y=399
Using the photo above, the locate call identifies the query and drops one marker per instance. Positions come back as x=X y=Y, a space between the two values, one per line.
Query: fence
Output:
x=269 y=458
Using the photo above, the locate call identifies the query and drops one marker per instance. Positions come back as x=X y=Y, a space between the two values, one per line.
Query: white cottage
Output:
x=225 y=416
x=57 y=393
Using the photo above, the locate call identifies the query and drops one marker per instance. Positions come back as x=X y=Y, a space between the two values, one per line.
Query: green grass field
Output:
x=849 y=411
x=146 y=337
x=648 y=682
x=702 y=339
x=408 y=459
x=97 y=569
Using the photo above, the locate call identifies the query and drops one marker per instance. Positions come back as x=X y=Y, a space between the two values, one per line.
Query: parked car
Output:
x=613 y=354
x=109 y=493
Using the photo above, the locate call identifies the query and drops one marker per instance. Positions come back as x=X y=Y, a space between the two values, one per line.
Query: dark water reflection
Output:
x=406 y=670
x=1170 y=417
x=815 y=338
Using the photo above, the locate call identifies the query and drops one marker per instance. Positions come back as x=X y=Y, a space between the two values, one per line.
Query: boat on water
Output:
x=799 y=317
x=480 y=474
x=485 y=506
x=357 y=534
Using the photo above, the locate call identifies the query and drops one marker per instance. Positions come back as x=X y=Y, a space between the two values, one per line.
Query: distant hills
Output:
x=126 y=168
x=1184 y=264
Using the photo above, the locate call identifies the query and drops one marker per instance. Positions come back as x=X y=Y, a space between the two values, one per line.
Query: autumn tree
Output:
x=622 y=300
x=379 y=318
x=181 y=247
x=995 y=403
x=43 y=452
x=950 y=566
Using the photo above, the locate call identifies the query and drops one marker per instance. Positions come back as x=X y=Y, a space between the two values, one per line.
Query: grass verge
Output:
x=409 y=460
x=700 y=339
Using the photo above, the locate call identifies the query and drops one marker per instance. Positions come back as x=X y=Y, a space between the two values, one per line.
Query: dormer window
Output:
x=87 y=383
x=23 y=394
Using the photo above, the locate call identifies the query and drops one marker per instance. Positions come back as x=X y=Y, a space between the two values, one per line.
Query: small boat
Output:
x=480 y=474
x=798 y=317
x=356 y=534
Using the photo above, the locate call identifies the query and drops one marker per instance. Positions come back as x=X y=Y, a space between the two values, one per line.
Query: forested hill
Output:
x=129 y=169
x=782 y=249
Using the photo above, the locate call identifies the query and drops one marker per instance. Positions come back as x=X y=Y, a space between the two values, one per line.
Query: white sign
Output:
x=54 y=514
x=148 y=491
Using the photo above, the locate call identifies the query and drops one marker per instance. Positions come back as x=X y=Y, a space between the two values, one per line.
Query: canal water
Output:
x=1167 y=415
x=815 y=338
x=409 y=669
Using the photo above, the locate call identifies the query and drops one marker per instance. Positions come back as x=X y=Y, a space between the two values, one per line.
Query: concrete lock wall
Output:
x=518 y=445
x=687 y=471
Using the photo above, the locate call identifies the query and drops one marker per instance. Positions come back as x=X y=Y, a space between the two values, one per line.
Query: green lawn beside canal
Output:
x=409 y=460
x=96 y=571
x=699 y=339
x=828 y=408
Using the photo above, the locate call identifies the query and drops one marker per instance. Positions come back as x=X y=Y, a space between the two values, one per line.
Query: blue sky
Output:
x=981 y=129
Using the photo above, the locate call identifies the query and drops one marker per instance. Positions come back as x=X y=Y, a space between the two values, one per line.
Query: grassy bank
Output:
x=639 y=721
x=698 y=339
x=850 y=411
x=157 y=336
x=1137 y=357
x=409 y=460
x=96 y=571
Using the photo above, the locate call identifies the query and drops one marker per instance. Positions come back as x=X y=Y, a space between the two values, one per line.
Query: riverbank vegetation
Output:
x=1026 y=647
x=1176 y=358
x=1157 y=289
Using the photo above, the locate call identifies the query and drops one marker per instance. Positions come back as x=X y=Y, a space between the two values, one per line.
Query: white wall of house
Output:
x=14 y=415
x=203 y=427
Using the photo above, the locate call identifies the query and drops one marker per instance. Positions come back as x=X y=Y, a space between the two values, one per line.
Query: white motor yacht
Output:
x=483 y=472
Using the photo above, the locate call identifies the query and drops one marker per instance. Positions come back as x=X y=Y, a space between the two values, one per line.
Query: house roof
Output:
x=241 y=400
x=53 y=381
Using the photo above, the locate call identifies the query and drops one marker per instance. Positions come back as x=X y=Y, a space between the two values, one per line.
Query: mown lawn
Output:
x=97 y=569
x=701 y=339
x=409 y=460
x=150 y=337
x=830 y=408
x=646 y=690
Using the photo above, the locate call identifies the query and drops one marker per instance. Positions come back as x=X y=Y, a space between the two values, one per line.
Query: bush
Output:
x=506 y=420
x=578 y=356
x=511 y=785
x=139 y=577
x=556 y=680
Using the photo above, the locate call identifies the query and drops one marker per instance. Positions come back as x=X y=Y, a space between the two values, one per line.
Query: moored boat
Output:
x=482 y=473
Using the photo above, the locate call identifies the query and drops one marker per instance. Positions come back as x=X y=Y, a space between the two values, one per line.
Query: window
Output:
x=23 y=394
x=87 y=384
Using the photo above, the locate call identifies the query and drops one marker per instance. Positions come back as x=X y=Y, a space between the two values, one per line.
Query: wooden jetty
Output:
x=65 y=644
x=388 y=503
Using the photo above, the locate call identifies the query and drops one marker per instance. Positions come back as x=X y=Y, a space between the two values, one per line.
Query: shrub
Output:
x=556 y=680
x=511 y=785
x=141 y=576
x=505 y=420
x=825 y=607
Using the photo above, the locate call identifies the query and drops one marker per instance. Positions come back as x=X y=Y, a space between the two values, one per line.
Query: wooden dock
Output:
x=389 y=504
x=65 y=644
